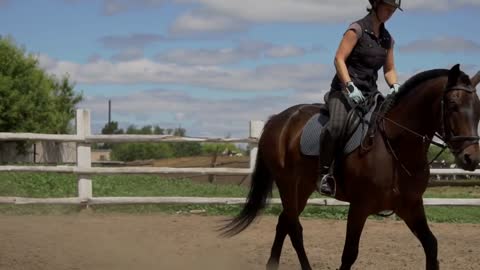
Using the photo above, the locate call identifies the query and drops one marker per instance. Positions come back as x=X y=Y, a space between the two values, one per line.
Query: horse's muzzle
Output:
x=469 y=158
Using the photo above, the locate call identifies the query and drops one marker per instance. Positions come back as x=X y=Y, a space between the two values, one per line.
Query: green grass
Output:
x=38 y=185
x=156 y=186
x=434 y=214
x=42 y=185
x=453 y=192
x=453 y=214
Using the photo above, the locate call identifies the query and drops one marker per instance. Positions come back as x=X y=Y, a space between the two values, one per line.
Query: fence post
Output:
x=84 y=157
x=256 y=128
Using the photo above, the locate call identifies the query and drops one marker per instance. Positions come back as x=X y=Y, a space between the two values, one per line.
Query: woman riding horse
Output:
x=366 y=47
x=392 y=174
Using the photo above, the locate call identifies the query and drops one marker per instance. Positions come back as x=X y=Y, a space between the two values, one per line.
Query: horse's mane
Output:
x=419 y=78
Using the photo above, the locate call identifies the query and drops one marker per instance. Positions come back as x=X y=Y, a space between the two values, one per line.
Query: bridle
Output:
x=447 y=135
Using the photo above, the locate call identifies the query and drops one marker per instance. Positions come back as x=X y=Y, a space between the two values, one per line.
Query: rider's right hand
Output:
x=354 y=93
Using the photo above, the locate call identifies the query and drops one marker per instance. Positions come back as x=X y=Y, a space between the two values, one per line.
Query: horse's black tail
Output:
x=260 y=191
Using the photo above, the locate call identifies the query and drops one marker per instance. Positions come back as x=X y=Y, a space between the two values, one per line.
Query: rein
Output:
x=446 y=137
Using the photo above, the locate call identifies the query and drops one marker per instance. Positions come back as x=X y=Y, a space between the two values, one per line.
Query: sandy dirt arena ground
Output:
x=160 y=241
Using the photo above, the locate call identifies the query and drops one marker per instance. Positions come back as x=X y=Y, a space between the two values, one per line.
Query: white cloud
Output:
x=285 y=51
x=284 y=10
x=227 y=16
x=263 y=78
x=113 y=7
x=202 y=56
x=206 y=116
x=232 y=15
x=49 y=63
x=91 y=59
x=202 y=18
x=135 y=40
x=179 y=116
x=197 y=115
x=275 y=10
x=468 y=2
x=128 y=55
x=199 y=23
x=441 y=44
x=246 y=50
x=439 y=5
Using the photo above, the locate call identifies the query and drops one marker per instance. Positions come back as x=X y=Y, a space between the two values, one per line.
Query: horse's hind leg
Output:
x=414 y=217
x=357 y=216
x=289 y=223
x=281 y=233
x=293 y=228
x=296 y=236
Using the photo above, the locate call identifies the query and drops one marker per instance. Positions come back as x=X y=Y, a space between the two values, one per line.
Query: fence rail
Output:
x=84 y=169
x=202 y=201
x=123 y=138
x=170 y=170
x=125 y=170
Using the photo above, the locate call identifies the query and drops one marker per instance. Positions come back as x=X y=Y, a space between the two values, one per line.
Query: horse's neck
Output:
x=419 y=111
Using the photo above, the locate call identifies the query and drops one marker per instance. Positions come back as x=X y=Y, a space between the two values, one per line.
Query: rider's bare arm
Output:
x=389 y=68
x=349 y=41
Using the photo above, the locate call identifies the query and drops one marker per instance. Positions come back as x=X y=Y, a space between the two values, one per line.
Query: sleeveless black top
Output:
x=367 y=57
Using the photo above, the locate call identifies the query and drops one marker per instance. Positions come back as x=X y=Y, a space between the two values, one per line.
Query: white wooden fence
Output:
x=84 y=169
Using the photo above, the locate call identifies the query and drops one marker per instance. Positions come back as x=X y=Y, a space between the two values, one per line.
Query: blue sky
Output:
x=210 y=66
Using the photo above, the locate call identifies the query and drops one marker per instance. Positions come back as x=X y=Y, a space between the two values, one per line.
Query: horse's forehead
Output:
x=465 y=99
x=461 y=95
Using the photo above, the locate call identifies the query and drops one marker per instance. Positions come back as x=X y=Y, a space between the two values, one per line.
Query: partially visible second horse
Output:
x=392 y=175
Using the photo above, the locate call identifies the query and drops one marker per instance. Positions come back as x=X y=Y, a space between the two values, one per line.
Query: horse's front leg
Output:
x=414 y=216
x=356 y=220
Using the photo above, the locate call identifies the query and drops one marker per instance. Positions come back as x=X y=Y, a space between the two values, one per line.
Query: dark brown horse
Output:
x=392 y=175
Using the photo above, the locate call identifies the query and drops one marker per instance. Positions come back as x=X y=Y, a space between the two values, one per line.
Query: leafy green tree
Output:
x=132 y=129
x=186 y=149
x=158 y=130
x=142 y=151
x=147 y=130
x=109 y=128
x=211 y=148
x=112 y=128
x=65 y=100
x=181 y=132
x=30 y=99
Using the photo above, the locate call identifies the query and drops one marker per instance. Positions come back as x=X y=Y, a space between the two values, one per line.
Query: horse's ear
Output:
x=475 y=79
x=453 y=74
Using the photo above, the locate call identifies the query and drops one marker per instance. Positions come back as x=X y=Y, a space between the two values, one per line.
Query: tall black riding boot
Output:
x=326 y=181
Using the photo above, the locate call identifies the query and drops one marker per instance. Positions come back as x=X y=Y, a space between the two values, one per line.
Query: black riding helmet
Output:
x=394 y=3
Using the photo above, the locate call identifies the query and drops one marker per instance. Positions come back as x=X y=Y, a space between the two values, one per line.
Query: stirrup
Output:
x=327 y=185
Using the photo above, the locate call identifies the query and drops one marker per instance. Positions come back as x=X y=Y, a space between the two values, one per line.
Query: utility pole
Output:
x=109 y=111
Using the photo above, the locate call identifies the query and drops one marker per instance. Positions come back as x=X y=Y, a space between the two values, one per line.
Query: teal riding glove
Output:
x=394 y=88
x=355 y=94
